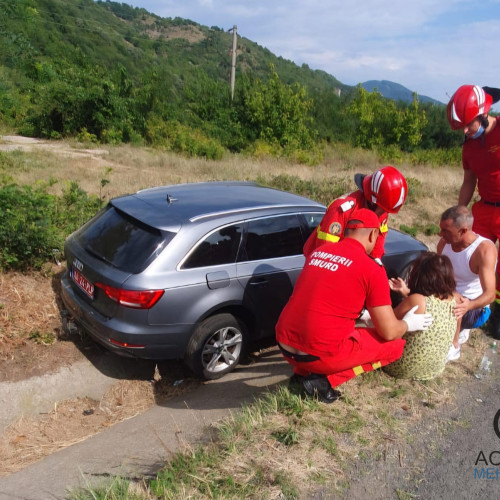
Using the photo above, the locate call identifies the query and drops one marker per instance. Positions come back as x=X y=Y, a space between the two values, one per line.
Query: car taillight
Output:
x=138 y=299
x=126 y=344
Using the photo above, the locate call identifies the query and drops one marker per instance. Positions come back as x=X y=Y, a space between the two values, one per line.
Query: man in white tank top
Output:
x=474 y=260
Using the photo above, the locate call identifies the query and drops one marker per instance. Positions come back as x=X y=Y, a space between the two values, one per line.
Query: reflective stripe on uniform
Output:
x=327 y=236
x=358 y=370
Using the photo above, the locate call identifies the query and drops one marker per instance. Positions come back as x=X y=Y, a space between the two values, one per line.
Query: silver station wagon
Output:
x=194 y=271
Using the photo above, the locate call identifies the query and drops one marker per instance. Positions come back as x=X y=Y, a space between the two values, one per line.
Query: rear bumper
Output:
x=158 y=341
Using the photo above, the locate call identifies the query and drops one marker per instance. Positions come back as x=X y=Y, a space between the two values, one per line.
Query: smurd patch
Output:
x=335 y=228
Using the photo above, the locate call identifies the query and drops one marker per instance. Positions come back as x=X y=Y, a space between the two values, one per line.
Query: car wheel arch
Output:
x=237 y=310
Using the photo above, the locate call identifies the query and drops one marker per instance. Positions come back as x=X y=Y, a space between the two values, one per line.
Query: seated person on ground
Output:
x=473 y=259
x=431 y=287
x=316 y=330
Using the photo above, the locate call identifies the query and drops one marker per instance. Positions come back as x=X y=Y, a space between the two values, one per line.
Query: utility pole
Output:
x=233 y=60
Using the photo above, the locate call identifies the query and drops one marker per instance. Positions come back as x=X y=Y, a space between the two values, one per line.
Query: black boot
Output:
x=319 y=387
x=494 y=321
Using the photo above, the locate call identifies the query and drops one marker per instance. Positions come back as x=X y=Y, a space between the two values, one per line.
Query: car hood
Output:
x=397 y=242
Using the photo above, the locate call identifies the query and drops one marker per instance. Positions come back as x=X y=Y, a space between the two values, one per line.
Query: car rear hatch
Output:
x=106 y=251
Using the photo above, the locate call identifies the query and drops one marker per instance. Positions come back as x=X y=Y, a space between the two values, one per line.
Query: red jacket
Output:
x=331 y=227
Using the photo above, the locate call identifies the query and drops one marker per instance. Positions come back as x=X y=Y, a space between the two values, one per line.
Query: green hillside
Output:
x=109 y=72
x=111 y=34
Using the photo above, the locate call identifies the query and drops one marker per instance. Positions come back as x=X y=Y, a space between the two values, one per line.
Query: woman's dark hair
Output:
x=432 y=274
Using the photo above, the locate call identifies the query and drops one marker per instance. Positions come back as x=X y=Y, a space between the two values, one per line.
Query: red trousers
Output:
x=364 y=352
x=487 y=224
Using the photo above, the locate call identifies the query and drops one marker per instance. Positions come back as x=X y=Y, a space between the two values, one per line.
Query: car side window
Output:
x=312 y=222
x=219 y=247
x=273 y=237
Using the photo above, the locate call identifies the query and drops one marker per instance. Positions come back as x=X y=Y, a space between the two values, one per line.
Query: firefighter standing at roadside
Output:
x=468 y=111
x=382 y=192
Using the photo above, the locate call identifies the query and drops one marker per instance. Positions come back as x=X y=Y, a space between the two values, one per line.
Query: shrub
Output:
x=323 y=192
x=26 y=235
x=310 y=157
x=432 y=229
x=390 y=154
x=181 y=139
x=75 y=207
x=264 y=149
x=412 y=231
x=86 y=136
x=437 y=157
x=112 y=136
x=34 y=224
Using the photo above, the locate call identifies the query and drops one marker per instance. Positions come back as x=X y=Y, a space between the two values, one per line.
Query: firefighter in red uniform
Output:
x=316 y=330
x=468 y=111
x=383 y=192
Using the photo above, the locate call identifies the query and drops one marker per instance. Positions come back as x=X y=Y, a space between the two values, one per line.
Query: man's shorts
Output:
x=475 y=318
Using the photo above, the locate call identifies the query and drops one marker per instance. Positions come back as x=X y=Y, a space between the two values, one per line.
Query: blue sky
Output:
x=429 y=46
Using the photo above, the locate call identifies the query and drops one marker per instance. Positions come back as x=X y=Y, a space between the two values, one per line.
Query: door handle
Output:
x=259 y=282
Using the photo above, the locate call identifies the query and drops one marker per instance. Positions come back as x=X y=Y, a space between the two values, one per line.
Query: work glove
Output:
x=417 y=322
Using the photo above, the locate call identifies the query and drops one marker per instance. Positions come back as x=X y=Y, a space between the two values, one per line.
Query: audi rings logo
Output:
x=77 y=264
x=496 y=424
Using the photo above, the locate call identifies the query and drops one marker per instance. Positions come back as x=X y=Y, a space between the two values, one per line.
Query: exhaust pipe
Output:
x=69 y=326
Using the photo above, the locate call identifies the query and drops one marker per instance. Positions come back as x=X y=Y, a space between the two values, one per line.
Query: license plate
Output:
x=83 y=282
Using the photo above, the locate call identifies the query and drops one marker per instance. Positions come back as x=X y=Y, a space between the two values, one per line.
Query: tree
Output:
x=275 y=112
x=374 y=118
x=381 y=122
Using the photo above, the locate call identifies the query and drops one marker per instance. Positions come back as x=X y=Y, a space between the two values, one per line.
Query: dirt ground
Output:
x=30 y=325
x=32 y=345
x=439 y=459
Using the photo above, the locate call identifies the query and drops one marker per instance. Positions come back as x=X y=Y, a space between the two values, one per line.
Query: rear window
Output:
x=121 y=241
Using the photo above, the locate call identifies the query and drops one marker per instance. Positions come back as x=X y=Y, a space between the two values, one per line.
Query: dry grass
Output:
x=129 y=169
x=29 y=439
x=28 y=307
x=376 y=415
x=288 y=444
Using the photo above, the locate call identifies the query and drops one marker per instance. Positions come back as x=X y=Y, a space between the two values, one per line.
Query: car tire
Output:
x=216 y=346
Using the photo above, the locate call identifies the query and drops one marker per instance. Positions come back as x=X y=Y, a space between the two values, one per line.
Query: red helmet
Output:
x=386 y=188
x=467 y=103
